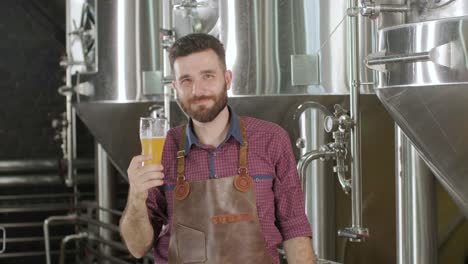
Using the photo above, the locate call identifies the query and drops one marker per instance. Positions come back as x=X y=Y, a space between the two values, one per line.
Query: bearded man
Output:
x=228 y=190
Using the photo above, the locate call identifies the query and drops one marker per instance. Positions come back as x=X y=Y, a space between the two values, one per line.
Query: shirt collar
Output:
x=234 y=131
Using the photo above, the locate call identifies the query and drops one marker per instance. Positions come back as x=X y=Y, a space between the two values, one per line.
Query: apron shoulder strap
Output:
x=243 y=147
x=181 y=156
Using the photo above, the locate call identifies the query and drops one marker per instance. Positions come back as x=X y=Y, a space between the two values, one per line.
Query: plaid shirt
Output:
x=280 y=200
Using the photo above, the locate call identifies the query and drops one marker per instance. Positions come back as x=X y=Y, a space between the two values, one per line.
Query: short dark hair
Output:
x=196 y=42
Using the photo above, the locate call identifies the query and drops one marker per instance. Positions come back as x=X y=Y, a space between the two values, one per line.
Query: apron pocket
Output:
x=191 y=246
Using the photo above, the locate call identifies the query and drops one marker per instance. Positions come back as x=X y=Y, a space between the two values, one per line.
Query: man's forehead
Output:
x=196 y=63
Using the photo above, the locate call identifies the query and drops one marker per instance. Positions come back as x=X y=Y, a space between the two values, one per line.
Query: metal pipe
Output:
x=416 y=213
x=24 y=254
x=318 y=183
x=393 y=8
x=40 y=179
x=65 y=240
x=69 y=180
x=373 y=10
x=49 y=220
x=344 y=183
x=30 y=239
x=137 y=31
x=105 y=192
x=36 y=165
x=113 y=259
x=166 y=13
x=40 y=196
x=24 y=224
x=310 y=105
x=400 y=58
x=3 y=240
x=44 y=207
x=110 y=243
x=308 y=158
x=70 y=154
x=356 y=195
x=93 y=205
x=72 y=217
x=88 y=220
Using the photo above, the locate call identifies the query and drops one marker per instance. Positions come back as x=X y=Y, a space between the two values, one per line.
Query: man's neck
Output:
x=213 y=133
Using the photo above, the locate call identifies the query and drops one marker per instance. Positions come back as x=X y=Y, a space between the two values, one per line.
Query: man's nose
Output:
x=197 y=88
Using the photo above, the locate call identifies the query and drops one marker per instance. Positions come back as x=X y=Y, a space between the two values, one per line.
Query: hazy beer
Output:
x=152 y=136
x=153 y=146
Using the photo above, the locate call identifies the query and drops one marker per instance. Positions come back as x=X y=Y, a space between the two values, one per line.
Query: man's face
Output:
x=201 y=83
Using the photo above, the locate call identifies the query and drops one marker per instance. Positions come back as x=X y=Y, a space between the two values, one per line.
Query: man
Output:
x=228 y=190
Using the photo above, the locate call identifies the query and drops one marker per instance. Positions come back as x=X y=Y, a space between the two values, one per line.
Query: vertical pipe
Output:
x=71 y=141
x=356 y=194
x=166 y=14
x=270 y=51
x=318 y=186
x=416 y=213
x=105 y=194
x=138 y=67
x=74 y=155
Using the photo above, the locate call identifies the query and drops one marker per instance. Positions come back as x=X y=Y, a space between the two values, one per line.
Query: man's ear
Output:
x=228 y=78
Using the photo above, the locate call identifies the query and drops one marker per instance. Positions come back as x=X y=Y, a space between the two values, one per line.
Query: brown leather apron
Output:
x=215 y=220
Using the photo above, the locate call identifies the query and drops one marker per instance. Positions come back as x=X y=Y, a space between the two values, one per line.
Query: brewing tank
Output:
x=267 y=42
x=422 y=81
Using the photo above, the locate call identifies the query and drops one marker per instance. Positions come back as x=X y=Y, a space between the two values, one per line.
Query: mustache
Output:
x=203 y=97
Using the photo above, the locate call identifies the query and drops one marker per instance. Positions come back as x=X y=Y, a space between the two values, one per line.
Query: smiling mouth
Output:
x=201 y=100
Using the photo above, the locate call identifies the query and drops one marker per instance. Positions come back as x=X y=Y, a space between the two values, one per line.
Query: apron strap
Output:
x=243 y=181
x=181 y=157
x=182 y=188
x=243 y=149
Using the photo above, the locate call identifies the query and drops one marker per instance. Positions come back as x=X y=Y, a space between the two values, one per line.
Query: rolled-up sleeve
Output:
x=291 y=219
x=156 y=204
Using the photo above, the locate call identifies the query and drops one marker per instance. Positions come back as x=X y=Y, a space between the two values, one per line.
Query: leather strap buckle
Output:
x=180 y=154
x=243 y=171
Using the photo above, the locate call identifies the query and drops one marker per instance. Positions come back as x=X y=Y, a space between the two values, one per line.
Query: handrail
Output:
x=71 y=217
x=67 y=239
x=4 y=240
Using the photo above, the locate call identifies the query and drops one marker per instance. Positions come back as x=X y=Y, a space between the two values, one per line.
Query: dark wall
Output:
x=32 y=41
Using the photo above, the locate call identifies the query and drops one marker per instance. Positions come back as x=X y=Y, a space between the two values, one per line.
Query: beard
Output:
x=202 y=113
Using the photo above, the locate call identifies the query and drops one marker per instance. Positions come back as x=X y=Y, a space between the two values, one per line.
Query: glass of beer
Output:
x=152 y=136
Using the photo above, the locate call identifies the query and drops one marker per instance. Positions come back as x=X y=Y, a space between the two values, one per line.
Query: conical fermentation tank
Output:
x=127 y=78
x=423 y=82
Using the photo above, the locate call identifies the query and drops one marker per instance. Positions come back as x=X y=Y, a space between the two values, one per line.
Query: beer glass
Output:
x=152 y=136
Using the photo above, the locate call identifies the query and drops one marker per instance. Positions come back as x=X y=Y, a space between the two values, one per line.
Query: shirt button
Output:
x=216 y=176
x=257 y=179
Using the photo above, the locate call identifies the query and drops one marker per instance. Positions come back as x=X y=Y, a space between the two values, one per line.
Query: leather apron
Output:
x=215 y=220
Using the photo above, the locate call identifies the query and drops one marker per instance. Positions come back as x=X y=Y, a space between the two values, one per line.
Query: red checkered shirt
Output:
x=280 y=200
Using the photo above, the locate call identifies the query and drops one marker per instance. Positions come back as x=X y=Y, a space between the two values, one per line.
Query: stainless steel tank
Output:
x=128 y=71
x=423 y=82
x=261 y=37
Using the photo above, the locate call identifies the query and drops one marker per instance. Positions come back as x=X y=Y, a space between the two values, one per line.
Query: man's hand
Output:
x=142 y=178
x=299 y=250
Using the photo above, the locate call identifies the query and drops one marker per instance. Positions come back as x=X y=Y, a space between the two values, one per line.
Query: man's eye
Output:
x=185 y=81
x=209 y=76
